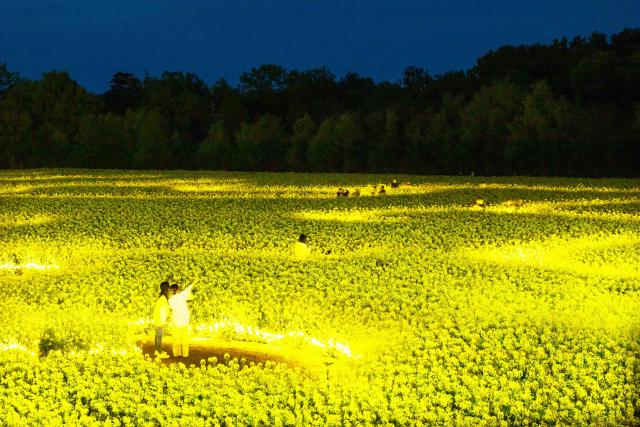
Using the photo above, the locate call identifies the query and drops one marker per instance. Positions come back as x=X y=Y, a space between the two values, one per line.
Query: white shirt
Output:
x=301 y=250
x=179 y=310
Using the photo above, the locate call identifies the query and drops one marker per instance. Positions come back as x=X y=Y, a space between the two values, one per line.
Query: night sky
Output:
x=93 y=39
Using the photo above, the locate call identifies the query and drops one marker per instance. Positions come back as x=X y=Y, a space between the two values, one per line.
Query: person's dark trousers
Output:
x=159 y=331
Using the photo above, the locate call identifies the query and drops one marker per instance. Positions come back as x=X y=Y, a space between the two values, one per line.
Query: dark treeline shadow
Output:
x=569 y=108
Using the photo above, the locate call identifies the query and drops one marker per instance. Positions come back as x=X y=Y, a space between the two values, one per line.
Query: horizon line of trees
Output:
x=569 y=108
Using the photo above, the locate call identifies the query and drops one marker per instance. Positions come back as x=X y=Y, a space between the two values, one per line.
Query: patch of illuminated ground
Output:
x=203 y=349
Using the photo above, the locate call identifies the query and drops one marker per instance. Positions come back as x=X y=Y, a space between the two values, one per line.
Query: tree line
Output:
x=569 y=108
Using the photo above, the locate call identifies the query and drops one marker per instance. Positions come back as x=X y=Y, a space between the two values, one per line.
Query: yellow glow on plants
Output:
x=208 y=188
x=413 y=307
x=29 y=266
x=8 y=221
x=15 y=347
x=248 y=331
x=15 y=189
x=340 y=216
x=582 y=255
x=270 y=337
x=386 y=215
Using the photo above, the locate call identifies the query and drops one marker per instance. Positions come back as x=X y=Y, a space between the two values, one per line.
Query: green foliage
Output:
x=125 y=93
x=540 y=134
x=484 y=126
x=153 y=146
x=261 y=145
x=216 y=151
x=303 y=130
x=7 y=79
x=16 y=130
x=102 y=142
x=351 y=143
x=324 y=153
x=385 y=136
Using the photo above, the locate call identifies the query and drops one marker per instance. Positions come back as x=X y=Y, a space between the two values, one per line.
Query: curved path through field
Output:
x=201 y=349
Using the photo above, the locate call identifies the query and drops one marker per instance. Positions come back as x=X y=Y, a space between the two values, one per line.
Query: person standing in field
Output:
x=161 y=312
x=180 y=318
x=301 y=250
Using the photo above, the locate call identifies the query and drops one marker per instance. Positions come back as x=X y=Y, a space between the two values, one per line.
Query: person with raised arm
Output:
x=180 y=318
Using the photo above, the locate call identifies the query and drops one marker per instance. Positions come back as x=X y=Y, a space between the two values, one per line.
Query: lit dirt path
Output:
x=201 y=349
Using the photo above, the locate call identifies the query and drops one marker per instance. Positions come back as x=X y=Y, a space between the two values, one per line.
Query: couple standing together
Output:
x=171 y=308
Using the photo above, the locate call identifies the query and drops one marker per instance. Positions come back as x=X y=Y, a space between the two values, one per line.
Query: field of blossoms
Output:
x=426 y=309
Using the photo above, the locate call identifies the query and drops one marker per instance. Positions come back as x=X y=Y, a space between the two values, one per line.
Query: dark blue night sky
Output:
x=93 y=39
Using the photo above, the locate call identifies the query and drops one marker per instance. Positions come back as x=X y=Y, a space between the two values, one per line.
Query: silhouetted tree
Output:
x=386 y=145
x=324 y=153
x=565 y=108
x=101 y=142
x=41 y=118
x=228 y=107
x=263 y=88
x=540 y=134
x=7 y=79
x=182 y=100
x=152 y=145
x=354 y=90
x=18 y=127
x=484 y=127
x=303 y=131
x=125 y=92
x=216 y=151
x=351 y=148
x=261 y=145
x=313 y=92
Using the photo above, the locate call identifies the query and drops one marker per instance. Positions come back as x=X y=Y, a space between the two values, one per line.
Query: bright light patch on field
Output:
x=589 y=255
x=209 y=188
x=13 y=346
x=389 y=215
x=556 y=188
x=578 y=209
x=339 y=216
x=9 y=221
x=16 y=189
x=29 y=266
x=270 y=337
x=262 y=335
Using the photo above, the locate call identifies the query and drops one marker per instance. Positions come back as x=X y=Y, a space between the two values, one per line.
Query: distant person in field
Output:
x=180 y=318
x=342 y=192
x=356 y=192
x=161 y=311
x=395 y=184
x=513 y=203
x=301 y=250
x=382 y=190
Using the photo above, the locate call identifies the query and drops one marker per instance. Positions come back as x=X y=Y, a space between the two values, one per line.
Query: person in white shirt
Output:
x=300 y=249
x=180 y=318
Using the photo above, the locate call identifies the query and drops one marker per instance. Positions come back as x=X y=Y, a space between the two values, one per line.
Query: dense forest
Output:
x=569 y=108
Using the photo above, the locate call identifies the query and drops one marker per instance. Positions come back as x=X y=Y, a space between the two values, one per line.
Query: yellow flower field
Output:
x=426 y=309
